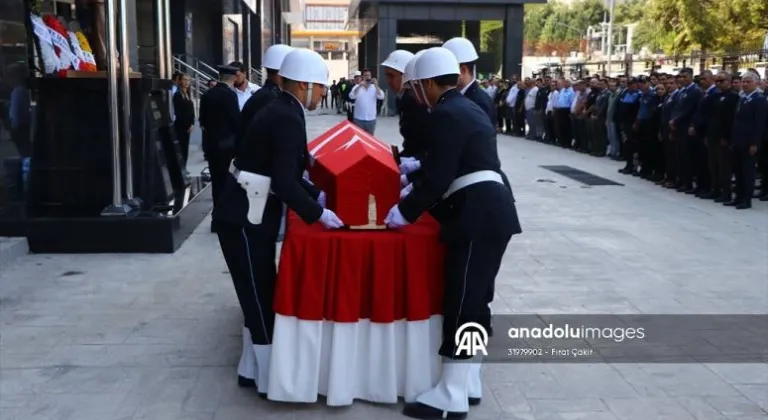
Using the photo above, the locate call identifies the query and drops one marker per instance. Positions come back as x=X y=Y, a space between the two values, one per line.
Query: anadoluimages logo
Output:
x=470 y=339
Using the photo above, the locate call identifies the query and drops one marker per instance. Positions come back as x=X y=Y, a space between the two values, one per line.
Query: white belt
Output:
x=473 y=178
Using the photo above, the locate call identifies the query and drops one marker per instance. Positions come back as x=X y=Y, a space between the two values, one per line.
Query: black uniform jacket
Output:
x=670 y=102
x=704 y=111
x=254 y=104
x=749 y=122
x=685 y=108
x=220 y=118
x=477 y=95
x=723 y=112
x=413 y=126
x=275 y=145
x=464 y=142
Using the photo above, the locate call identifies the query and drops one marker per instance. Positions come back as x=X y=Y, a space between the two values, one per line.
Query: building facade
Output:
x=324 y=29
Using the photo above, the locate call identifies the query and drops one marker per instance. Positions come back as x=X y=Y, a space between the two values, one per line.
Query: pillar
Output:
x=371 y=49
x=245 y=28
x=387 y=42
x=472 y=32
x=512 y=57
x=132 y=32
x=254 y=32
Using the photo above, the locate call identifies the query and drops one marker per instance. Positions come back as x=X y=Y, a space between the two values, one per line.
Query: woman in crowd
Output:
x=185 y=115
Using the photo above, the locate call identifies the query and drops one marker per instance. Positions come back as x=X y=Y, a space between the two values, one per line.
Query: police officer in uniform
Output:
x=412 y=116
x=746 y=139
x=697 y=132
x=220 y=120
x=269 y=163
x=467 y=56
x=273 y=58
x=647 y=128
x=462 y=174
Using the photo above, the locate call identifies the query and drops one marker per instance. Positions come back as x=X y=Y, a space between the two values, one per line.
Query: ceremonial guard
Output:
x=462 y=175
x=412 y=116
x=265 y=175
x=466 y=54
x=273 y=58
x=746 y=138
x=718 y=137
x=220 y=121
x=688 y=99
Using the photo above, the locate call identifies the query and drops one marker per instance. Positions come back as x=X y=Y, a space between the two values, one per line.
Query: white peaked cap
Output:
x=437 y=61
x=358 y=73
x=462 y=48
x=274 y=56
x=398 y=60
x=303 y=65
x=408 y=73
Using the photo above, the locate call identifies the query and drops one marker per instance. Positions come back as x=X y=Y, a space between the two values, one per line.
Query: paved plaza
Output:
x=157 y=337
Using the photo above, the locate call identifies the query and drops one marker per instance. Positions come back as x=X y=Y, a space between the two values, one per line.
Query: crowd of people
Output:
x=705 y=135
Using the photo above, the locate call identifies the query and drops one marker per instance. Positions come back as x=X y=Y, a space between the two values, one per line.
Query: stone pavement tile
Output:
x=755 y=417
x=758 y=394
x=70 y=407
x=647 y=408
x=698 y=380
x=747 y=373
x=731 y=406
x=245 y=413
x=700 y=409
x=592 y=381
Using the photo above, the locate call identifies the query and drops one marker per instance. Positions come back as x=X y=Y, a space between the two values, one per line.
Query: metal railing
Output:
x=257 y=76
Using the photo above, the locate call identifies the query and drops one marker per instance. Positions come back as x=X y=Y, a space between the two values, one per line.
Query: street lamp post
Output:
x=610 y=37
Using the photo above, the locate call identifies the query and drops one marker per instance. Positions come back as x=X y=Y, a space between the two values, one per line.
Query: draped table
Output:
x=358 y=314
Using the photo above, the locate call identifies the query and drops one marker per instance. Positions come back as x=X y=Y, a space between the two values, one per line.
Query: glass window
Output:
x=325 y=18
x=300 y=42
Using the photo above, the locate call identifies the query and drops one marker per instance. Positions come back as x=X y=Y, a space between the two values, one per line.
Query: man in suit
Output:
x=220 y=120
x=687 y=102
x=274 y=150
x=747 y=136
x=718 y=137
x=697 y=133
x=462 y=175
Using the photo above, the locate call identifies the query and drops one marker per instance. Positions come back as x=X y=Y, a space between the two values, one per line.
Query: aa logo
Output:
x=471 y=338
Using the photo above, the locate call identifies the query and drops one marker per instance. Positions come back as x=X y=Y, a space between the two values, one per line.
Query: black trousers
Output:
x=182 y=136
x=763 y=165
x=577 y=127
x=700 y=163
x=21 y=138
x=218 y=164
x=647 y=148
x=598 y=137
x=744 y=169
x=670 y=158
x=549 y=128
x=720 y=167
x=470 y=275
x=563 y=121
x=685 y=173
x=250 y=256
x=629 y=139
x=325 y=101
x=501 y=121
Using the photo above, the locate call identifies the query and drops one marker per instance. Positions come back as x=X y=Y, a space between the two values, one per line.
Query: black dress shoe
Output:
x=690 y=191
x=732 y=203
x=681 y=189
x=244 y=382
x=636 y=174
x=704 y=194
x=263 y=395
x=722 y=199
x=474 y=401
x=712 y=195
x=744 y=206
x=763 y=198
x=421 y=411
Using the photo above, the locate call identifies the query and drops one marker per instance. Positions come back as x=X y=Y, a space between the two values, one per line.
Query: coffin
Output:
x=358 y=174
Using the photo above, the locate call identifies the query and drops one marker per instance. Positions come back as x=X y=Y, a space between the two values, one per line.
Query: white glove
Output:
x=395 y=219
x=405 y=191
x=330 y=220
x=409 y=167
x=404 y=159
x=305 y=175
x=404 y=181
x=321 y=199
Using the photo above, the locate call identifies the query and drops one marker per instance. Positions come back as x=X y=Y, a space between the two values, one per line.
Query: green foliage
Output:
x=669 y=26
